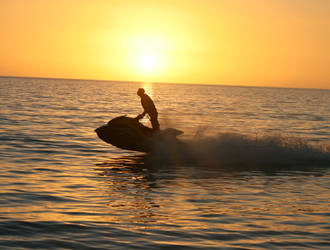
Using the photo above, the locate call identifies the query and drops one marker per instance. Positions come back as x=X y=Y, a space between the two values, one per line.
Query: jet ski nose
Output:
x=99 y=130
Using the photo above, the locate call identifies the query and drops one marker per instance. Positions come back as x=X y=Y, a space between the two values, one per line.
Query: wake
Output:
x=242 y=151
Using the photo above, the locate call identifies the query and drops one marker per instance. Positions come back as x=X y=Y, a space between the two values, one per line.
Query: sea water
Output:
x=255 y=173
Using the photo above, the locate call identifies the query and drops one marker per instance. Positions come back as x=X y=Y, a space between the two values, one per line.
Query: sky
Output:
x=281 y=43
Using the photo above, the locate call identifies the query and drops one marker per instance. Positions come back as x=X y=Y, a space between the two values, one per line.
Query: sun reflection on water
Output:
x=148 y=87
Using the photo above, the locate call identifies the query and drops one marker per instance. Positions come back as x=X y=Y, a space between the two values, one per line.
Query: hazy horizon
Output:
x=184 y=83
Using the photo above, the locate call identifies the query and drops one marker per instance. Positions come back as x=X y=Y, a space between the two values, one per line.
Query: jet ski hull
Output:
x=128 y=133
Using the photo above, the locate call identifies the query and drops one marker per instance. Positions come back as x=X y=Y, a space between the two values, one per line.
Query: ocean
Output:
x=256 y=174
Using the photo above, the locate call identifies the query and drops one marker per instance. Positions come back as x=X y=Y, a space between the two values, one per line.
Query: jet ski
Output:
x=128 y=133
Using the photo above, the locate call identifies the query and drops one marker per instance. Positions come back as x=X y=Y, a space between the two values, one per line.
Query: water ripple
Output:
x=254 y=175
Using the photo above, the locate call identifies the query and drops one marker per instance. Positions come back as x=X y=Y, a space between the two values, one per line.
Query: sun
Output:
x=147 y=56
x=148 y=62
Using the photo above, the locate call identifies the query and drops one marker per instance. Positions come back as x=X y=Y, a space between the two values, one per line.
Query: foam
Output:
x=243 y=151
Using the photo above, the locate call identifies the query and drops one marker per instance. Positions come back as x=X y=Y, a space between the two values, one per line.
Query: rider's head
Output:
x=140 y=92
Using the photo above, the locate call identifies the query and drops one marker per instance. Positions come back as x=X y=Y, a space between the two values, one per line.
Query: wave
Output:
x=242 y=151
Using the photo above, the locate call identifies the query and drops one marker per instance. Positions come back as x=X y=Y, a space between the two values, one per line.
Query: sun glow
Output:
x=158 y=41
x=148 y=55
x=148 y=62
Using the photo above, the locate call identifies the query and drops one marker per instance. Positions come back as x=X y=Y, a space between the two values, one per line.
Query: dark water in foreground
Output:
x=256 y=175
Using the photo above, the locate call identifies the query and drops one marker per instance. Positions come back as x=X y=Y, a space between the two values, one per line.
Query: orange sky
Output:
x=244 y=42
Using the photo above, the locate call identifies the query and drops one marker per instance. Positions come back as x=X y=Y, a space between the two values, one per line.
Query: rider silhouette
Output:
x=148 y=108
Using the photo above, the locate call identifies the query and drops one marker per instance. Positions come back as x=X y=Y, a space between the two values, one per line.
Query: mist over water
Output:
x=252 y=170
x=244 y=152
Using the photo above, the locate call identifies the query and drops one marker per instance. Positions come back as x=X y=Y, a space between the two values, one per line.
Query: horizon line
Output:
x=184 y=83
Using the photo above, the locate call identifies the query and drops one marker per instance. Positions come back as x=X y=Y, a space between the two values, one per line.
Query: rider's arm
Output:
x=140 y=116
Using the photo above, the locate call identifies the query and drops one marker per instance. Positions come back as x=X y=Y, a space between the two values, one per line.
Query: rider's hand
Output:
x=139 y=117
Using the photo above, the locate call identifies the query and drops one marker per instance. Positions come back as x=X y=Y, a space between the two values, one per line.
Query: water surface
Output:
x=256 y=174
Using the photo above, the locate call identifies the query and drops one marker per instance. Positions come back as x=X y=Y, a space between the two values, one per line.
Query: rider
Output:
x=148 y=108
